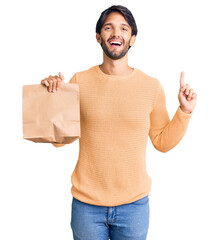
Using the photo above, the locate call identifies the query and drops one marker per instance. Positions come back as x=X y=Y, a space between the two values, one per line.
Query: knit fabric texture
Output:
x=117 y=114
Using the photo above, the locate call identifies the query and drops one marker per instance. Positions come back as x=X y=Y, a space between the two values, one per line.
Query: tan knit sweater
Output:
x=118 y=113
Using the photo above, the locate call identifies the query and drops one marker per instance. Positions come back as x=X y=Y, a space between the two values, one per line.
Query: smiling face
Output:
x=115 y=37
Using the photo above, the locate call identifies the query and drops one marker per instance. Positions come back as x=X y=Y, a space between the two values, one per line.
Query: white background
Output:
x=39 y=38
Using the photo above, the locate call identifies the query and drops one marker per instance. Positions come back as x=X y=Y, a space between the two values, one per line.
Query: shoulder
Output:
x=151 y=81
x=148 y=77
x=81 y=74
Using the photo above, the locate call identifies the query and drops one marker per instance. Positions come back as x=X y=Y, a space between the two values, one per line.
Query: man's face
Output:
x=115 y=29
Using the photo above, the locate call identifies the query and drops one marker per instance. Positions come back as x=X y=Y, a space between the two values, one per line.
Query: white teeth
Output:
x=115 y=42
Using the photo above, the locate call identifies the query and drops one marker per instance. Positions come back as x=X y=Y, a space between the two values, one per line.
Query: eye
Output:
x=107 y=28
x=125 y=29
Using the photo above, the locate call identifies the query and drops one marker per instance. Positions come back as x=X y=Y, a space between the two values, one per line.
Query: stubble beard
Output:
x=115 y=54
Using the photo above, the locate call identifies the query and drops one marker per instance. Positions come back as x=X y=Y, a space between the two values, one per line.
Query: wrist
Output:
x=185 y=111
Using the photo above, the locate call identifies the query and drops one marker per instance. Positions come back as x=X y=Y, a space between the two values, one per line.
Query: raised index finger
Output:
x=182 y=79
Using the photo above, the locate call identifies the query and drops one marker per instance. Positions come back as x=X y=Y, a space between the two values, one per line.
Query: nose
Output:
x=116 y=34
x=116 y=31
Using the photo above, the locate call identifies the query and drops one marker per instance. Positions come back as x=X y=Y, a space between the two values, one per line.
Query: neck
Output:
x=116 y=67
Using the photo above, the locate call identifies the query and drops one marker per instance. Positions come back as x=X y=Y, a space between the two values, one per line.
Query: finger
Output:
x=50 y=83
x=58 y=79
x=53 y=79
x=61 y=76
x=190 y=93
x=45 y=82
x=182 y=79
x=54 y=85
x=185 y=89
x=194 y=95
x=58 y=83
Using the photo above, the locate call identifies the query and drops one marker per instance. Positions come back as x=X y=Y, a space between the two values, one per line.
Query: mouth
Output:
x=115 y=44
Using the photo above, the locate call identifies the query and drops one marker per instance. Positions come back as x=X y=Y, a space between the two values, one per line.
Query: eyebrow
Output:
x=111 y=24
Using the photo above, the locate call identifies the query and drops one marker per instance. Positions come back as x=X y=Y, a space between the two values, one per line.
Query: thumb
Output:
x=61 y=76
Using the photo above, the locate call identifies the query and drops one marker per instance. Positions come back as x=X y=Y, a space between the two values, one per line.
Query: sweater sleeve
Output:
x=166 y=134
x=72 y=80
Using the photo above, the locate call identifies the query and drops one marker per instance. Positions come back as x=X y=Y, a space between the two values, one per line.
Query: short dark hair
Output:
x=121 y=9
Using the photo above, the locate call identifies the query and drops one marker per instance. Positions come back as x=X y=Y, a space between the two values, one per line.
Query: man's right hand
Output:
x=53 y=82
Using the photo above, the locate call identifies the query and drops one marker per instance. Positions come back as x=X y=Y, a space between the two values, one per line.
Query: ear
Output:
x=98 y=38
x=132 y=41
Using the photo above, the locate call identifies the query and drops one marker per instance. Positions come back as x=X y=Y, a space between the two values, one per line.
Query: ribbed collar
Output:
x=97 y=69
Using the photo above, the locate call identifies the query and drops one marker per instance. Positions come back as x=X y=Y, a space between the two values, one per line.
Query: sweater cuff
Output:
x=183 y=114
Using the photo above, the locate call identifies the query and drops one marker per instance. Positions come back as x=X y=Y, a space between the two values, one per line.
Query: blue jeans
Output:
x=124 y=222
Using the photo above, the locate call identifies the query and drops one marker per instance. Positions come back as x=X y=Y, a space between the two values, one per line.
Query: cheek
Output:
x=104 y=35
x=104 y=39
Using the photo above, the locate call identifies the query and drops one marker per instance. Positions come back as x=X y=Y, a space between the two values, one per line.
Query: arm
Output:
x=166 y=134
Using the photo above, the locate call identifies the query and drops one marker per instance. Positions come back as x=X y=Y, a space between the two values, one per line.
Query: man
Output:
x=120 y=107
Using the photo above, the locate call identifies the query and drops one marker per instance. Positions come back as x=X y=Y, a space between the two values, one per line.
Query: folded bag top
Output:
x=51 y=117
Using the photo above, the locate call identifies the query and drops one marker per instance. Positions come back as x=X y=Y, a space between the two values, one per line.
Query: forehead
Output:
x=115 y=17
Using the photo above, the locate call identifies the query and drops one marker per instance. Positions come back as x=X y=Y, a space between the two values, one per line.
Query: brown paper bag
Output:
x=51 y=117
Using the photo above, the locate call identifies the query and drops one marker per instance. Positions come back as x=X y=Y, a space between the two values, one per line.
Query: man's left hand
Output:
x=187 y=97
